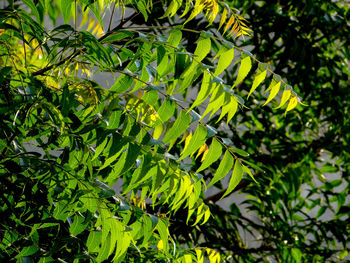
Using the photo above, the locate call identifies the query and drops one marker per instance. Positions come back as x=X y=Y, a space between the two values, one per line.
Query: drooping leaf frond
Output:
x=235 y=25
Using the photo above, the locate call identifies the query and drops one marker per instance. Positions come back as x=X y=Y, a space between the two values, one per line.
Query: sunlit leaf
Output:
x=213 y=155
x=246 y=65
x=236 y=177
x=293 y=102
x=179 y=127
x=225 y=166
x=224 y=61
x=274 y=89
x=195 y=142
x=259 y=77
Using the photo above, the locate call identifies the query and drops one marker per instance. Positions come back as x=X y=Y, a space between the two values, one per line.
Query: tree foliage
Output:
x=67 y=139
x=300 y=210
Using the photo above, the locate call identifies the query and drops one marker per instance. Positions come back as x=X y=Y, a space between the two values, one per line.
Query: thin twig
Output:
x=110 y=20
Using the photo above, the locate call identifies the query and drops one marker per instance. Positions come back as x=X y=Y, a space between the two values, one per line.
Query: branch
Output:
x=76 y=53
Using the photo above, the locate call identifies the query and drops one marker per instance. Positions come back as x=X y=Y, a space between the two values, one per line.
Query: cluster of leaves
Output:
x=66 y=140
x=235 y=26
x=301 y=211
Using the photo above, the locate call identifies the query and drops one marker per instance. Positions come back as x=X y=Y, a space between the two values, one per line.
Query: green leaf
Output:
x=296 y=253
x=104 y=250
x=78 y=225
x=179 y=127
x=90 y=202
x=150 y=97
x=285 y=97
x=224 y=168
x=162 y=61
x=141 y=5
x=172 y=8
x=233 y=109
x=240 y=152
x=122 y=246
x=97 y=12
x=33 y=8
x=213 y=155
x=257 y=81
x=204 y=91
x=236 y=177
x=247 y=170
x=224 y=61
x=28 y=251
x=147 y=229
x=66 y=10
x=115 y=155
x=163 y=232
x=122 y=84
x=202 y=49
x=116 y=228
x=274 y=89
x=46 y=260
x=166 y=110
x=114 y=119
x=197 y=140
x=181 y=65
x=125 y=163
x=246 y=65
x=216 y=101
x=100 y=147
x=61 y=211
x=230 y=109
x=321 y=211
x=343 y=254
x=175 y=37
x=184 y=190
x=93 y=241
x=200 y=213
x=140 y=176
x=117 y=36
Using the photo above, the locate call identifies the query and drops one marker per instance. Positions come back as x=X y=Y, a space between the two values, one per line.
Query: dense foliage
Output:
x=300 y=210
x=67 y=138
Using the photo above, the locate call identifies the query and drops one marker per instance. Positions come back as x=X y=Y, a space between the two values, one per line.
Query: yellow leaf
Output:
x=203 y=148
x=241 y=18
x=158 y=130
x=239 y=33
x=187 y=141
x=285 y=96
x=205 y=154
x=229 y=23
x=273 y=92
x=186 y=133
x=235 y=26
x=293 y=102
x=197 y=9
x=223 y=18
x=91 y=24
x=160 y=245
x=214 y=12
